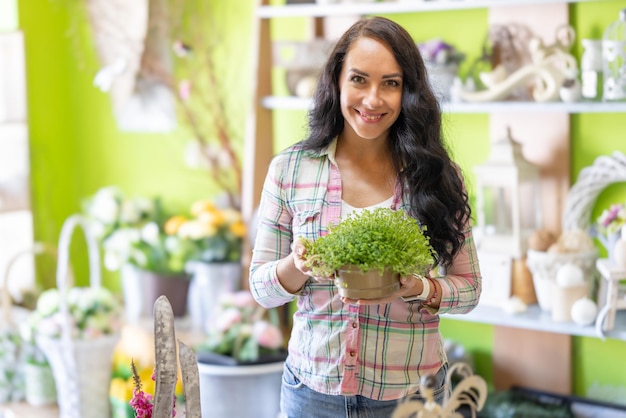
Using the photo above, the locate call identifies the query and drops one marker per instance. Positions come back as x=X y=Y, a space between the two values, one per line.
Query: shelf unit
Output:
x=259 y=139
x=510 y=331
x=265 y=11
x=298 y=103
x=539 y=320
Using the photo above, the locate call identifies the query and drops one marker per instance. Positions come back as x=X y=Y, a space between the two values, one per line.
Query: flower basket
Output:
x=81 y=368
x=13 y=350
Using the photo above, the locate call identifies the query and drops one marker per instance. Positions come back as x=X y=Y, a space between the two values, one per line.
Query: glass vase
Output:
x=614 y=59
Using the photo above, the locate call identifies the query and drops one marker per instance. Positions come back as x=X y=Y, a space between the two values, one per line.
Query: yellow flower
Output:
x=196 y=230
x=232 y=215
x=202 y=206
x=121 y=389
x=214 y=218
x=238 y=229
x=173 y=224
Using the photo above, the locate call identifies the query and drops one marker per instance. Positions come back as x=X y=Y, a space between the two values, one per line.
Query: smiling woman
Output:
x=374 y=141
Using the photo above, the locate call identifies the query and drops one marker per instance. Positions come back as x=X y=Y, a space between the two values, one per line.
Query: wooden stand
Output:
x=611 y=295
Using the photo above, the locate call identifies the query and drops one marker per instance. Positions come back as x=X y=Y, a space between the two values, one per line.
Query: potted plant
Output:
x=242 y=332
x=240 y=361
x=214 y=238
x=368 y=252
x=131 y=232
x=77 y=342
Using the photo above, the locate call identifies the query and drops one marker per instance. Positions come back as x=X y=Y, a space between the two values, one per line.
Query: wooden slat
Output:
x=532 y=359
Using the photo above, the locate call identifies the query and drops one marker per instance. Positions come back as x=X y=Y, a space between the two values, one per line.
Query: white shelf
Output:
x=578 y=107
x=297 y=103
x=389 y=7
x=537 y=319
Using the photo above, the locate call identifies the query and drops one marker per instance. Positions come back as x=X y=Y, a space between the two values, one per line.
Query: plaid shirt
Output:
x=377 y=351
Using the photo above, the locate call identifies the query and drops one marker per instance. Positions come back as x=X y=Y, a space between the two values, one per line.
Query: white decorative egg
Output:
x=584 y=311
x=570 y=275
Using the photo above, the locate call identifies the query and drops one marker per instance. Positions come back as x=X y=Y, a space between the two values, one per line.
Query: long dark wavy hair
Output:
x=437 y=196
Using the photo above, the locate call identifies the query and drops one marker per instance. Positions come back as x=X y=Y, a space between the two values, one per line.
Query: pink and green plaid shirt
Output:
x=377 y=351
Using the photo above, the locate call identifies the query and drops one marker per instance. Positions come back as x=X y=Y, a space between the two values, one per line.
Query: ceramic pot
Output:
x=40 y=389
x=174 y=286
x=240 y=391
x=355 y=284
x=563 y=298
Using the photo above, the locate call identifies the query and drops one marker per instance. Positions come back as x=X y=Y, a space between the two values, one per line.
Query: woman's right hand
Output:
x=299 y=260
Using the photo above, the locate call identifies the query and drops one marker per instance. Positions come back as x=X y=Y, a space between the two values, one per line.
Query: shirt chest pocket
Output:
x=306 y=224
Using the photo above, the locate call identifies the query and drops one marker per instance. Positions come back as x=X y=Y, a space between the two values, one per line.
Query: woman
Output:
x=374 y=141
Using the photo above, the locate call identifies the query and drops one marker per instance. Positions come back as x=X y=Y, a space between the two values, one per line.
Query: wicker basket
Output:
x=81 y=368
x=544 y=266
x=14 y=362
x=579 y=203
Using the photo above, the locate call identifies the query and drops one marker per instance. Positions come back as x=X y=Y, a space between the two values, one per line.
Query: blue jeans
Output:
x=298 y=401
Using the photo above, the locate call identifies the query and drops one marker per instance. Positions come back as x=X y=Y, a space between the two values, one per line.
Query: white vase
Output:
x=619 y=249
x=208 y=282
x=131 y=291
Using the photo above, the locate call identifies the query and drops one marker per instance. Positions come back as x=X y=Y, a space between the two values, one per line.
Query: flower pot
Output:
x=208 y=282
x=173 y=286
x=39 y=387
x=240 y=391
x=355 y=284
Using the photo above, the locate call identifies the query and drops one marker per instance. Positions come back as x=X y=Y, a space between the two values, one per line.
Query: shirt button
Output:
x=354 y=325
x=352 y=353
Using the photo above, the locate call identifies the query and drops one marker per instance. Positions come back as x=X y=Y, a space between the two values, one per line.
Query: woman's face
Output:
x=370 y=86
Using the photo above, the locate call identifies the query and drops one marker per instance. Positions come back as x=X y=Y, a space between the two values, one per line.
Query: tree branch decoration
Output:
x=156 y=51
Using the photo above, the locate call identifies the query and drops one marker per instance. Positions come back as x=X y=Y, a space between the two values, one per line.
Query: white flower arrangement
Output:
x=92 y=312
x=130 y=232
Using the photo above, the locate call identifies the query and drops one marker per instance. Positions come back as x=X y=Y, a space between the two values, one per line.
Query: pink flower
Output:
x=141 y=403
x=184 y=90
x=267 y=335
x=180 y=48
x=243 y=298
x=227 y=319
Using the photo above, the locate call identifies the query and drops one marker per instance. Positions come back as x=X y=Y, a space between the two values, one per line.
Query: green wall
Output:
x=76 y=147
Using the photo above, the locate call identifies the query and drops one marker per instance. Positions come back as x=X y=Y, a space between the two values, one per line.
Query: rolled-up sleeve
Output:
x=273 y=239
x=461 y=284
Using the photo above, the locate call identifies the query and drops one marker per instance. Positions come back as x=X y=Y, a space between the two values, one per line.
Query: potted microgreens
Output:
x=369 y=251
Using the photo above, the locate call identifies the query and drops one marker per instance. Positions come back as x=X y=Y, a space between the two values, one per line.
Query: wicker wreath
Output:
x=581 y=198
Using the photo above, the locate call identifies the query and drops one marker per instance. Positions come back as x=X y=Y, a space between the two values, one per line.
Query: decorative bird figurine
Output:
x=471 y=391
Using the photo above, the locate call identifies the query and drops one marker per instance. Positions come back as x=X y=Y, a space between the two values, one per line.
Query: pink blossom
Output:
x=243 y=298
x=141 y=403
x=184 y=90
x=227 y=319
x=180 y=48
x=267 y=335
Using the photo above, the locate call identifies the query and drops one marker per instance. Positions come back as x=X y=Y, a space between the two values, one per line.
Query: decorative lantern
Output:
x=508 y=200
